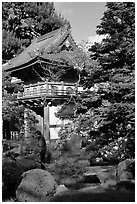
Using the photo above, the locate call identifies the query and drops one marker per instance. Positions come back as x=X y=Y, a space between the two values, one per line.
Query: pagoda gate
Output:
x=41 y=95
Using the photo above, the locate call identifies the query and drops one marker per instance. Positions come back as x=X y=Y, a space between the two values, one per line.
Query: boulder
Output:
x=69 y=182
x=75 y=144
x=106 y=174
x=61 y=189
x=36 y=185
x=124 y=172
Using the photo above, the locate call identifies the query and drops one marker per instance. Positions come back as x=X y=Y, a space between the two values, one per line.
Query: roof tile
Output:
x=39 y=46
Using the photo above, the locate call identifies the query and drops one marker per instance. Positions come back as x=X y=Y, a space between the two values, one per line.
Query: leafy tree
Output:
x=106 y=110
x=84 y=66
x=11 y=110
x=76 y=60
x=22 y=21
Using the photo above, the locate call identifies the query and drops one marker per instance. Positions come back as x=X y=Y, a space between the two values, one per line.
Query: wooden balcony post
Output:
x=26 y=127
x=62 y=88
x=46 y=129
x=62 y=123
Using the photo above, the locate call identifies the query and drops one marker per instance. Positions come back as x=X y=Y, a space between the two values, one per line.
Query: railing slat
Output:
x=50 y=89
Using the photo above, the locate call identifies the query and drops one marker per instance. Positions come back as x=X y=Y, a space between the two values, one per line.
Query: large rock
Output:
x=106 y=174
x=60 y=190
x=36 y=185
x=75 y=144
x=126 y=175
x=124 y=172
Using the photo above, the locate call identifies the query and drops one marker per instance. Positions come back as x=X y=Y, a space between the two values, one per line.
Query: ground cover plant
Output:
x=67 y=171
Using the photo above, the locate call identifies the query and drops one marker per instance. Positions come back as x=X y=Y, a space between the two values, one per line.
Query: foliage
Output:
x=12 y=110
x=68 y=62
x=131 y=167
x=84 y=66
x=116 y=55
x=10 y=175
x=113 y=153
x=106 y=110
x=10 y=106
x=67 y=169
x=32 y=121
x=29 y=148
x=22 y=21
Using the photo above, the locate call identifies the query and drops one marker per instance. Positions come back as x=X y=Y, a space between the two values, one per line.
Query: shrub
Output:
x=65 y=147
x=10 y=175
x=29 y=147
x=67 y=168
x=113 y=153
x=11 y=172
x=92 y=147
x=85 y=143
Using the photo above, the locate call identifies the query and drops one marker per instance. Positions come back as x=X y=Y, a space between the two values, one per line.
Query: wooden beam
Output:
x=26 y=127
x=38 y=74
x=46 y=130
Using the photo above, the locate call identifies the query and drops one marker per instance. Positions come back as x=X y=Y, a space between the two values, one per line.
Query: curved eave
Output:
x=39 y=46
x=23 y=66
x=39 y=49
x=35 y=61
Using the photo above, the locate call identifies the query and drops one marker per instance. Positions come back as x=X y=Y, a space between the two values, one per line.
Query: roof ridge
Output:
x=65 y=27
x=47 y=35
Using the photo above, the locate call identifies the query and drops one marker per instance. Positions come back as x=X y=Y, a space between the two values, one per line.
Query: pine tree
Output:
x=114 y=108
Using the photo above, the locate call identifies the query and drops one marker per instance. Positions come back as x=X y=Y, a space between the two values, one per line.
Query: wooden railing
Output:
x=50 y=89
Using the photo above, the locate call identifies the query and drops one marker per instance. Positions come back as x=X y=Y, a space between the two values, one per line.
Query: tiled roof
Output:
x=39 y=47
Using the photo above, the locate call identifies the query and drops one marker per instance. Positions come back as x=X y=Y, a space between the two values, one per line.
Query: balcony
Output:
x=49 y=89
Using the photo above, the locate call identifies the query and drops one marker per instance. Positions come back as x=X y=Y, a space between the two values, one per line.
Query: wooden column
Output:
x=26 y=127
x=62 y=123
x=46 y=130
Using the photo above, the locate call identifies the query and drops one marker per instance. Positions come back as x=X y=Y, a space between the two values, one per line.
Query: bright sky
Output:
x=83 y=17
